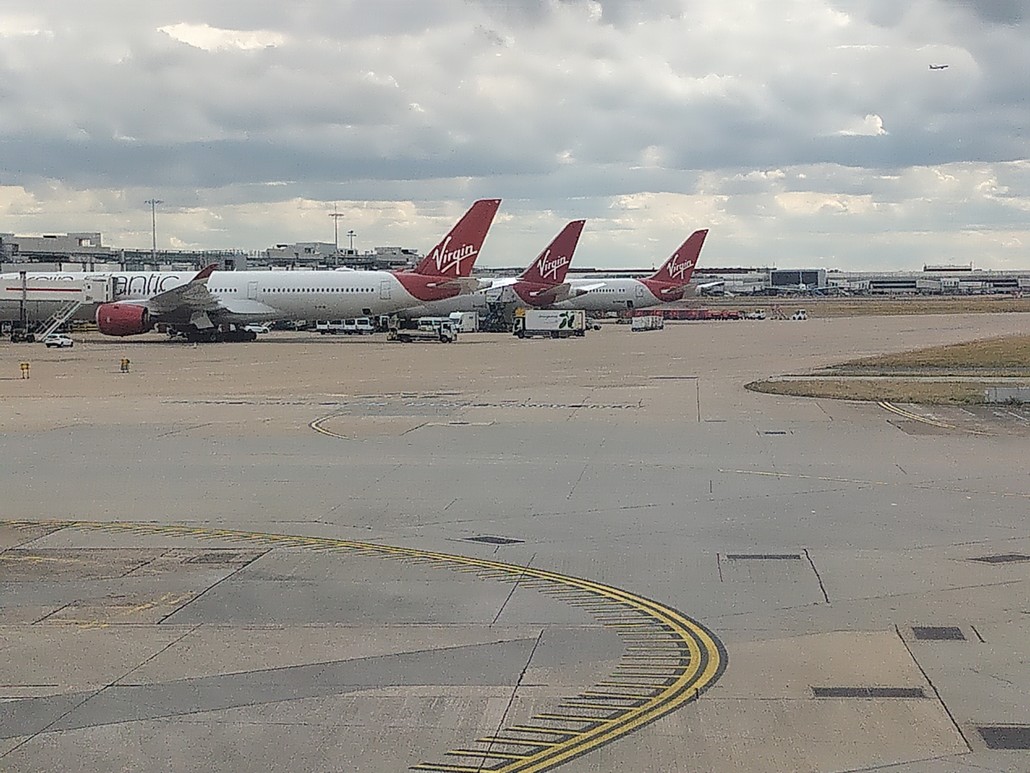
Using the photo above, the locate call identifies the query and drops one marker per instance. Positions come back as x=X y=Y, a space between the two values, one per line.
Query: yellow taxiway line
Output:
x=676 y=684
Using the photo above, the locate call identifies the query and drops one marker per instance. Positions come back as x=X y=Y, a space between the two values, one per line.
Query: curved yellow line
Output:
x=317 y=426
x=707 y=656
x=912 y=416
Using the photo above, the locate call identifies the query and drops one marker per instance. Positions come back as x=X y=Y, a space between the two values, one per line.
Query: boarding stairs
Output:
x=58 y=318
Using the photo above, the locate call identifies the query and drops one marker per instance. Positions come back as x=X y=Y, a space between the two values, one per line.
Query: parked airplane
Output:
x=541 y=284
x=938 y=67
x=211 y=306
x=668 y=283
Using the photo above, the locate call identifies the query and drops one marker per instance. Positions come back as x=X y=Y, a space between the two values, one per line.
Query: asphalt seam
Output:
x=47 y=728
x=933 y=687
x=661 y=630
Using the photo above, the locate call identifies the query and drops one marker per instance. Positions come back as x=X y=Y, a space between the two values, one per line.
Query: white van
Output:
x=330 y=326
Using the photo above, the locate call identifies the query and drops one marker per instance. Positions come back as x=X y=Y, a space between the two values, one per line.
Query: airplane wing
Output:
x=185 y=299
x=577 y=290
x=465 y=285
x=553 y=294
x=192 y=303
x=496 y=284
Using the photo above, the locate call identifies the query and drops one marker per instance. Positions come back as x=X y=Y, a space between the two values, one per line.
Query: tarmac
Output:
x=598 y=554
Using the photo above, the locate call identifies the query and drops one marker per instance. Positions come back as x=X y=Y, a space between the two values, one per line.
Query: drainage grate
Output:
x=220 y=557
x=1006 y=736
x=868 y=692
x=938 y=633
x=495 y=540
x=1002 y=558
x=763 y=557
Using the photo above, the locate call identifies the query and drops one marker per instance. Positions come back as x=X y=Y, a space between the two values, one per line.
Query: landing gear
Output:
x=216 y=335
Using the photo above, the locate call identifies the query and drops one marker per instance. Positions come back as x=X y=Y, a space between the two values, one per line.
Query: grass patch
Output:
x=876 y=390
x=875 y=305
x=1010 y=354
x=987 y=358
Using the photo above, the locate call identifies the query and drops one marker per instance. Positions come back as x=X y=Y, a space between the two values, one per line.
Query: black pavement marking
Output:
x=938 y=633
x=1002 y=558
x=1005 y=736
x=763 y=556
x=490 y=540
x=868 y=692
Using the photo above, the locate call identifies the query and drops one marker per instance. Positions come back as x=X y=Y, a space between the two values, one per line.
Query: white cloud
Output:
x=805 y=127
x=21 y=25
x=870 y=126
x=210 y=38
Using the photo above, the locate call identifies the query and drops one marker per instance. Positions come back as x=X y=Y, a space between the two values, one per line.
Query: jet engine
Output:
x=123 y=319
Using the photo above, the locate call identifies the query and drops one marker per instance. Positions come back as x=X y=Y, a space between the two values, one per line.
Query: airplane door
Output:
x=640 y=291
x=384 y=291
x=252 y=291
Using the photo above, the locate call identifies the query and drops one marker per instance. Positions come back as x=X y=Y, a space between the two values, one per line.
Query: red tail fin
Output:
x=551 y=265
x=677 y=269
x=455 y=255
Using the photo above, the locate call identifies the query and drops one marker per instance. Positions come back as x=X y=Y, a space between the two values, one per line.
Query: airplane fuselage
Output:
x=250 y=296
x=618 y=294
x=512 y=291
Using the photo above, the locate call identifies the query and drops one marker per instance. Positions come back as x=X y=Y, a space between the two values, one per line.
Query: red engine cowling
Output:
x=123 y=319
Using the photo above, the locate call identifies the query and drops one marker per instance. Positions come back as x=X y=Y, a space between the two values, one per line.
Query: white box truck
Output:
x=440 y=329
x=647 y=322
x=550 y=323
x=465 y=321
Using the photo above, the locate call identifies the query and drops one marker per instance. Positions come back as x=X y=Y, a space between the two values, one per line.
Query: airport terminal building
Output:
x=85 y=251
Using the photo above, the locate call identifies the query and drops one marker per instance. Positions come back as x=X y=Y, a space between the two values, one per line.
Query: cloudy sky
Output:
x=801 y=132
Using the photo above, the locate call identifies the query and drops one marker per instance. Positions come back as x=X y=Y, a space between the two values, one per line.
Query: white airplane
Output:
x=541 y=284
x=669 y=283
x=211 y=306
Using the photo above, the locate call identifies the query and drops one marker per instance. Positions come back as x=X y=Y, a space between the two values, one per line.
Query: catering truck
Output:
x=550 y=323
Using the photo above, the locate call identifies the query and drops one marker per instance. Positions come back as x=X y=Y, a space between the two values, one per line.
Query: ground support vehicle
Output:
x=440 y=329
x=465 y=321
x=644 y=322
x=549 y=323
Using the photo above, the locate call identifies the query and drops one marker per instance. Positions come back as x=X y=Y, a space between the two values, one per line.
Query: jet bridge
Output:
x=29 y=300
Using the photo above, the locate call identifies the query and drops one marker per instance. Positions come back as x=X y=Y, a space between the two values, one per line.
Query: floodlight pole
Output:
x=336 y=229
x=153 y=227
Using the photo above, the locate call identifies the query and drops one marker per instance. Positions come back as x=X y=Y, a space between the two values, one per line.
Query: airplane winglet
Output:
x=205 y=272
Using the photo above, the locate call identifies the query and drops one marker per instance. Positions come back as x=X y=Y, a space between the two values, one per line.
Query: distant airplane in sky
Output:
x=938 y=67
